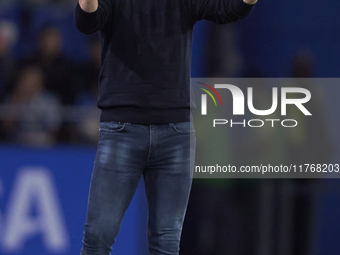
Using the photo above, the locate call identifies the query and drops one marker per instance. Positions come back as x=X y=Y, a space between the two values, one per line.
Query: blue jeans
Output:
x=164 y=156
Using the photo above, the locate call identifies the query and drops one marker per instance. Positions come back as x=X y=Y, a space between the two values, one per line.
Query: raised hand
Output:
x=250 y=1
x=88 y=5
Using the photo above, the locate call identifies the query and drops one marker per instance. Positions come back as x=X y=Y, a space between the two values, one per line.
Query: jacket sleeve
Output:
x=89 y=23
x=221 y=11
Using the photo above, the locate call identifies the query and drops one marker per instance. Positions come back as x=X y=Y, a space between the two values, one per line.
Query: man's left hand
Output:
x=250 y=1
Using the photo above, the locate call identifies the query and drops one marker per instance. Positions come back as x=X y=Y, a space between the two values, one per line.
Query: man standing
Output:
x=146 y=126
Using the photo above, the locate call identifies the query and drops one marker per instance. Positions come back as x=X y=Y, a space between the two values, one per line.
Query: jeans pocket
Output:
x=186 y=127
x=112 y=126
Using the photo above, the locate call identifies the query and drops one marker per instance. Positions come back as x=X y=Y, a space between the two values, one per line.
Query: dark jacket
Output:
x=146 y=54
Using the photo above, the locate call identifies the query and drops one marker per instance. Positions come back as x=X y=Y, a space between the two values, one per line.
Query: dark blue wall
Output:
x=276 y=30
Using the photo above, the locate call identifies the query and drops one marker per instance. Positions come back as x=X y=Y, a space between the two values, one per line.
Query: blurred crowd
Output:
x=47 y=97
x=48 y=85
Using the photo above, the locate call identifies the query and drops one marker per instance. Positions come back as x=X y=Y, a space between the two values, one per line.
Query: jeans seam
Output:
x=181 y=132
x=149 y=151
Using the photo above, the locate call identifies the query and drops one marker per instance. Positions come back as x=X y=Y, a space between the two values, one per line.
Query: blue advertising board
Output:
x=43 y=200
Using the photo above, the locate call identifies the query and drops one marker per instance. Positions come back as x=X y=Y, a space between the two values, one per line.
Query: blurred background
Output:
x=49 y=130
